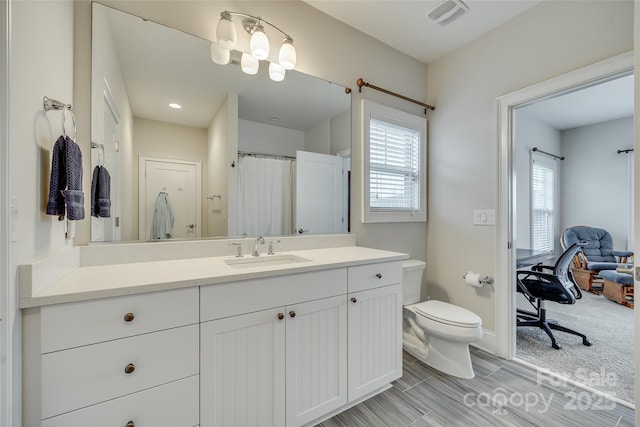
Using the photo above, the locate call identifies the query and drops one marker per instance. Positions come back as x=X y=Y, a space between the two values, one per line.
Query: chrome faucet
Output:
x=259 y=241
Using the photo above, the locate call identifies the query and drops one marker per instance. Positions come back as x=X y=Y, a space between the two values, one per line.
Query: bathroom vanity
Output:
x=288 y=339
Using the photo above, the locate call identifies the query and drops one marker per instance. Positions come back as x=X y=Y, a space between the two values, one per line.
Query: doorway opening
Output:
x=527 y=137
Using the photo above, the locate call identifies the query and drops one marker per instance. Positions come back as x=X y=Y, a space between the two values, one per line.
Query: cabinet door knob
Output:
x=379 y=276
x=292 y=314
x=130 y=424
x=354 y=300
x=280 y=316
x=129 y=368
x=129 y=317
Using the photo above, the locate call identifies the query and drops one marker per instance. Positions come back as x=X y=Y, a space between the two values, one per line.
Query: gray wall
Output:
x=596 y=180
x=548 y=40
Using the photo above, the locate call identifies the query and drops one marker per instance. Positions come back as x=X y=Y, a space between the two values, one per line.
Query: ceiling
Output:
x=595 y=104
x=404 y=26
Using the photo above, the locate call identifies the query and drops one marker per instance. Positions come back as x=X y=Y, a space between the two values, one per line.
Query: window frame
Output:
x=399 y=118
x=553 y=166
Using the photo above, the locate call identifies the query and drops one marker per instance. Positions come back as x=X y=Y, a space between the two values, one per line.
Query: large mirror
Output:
x=240 y=154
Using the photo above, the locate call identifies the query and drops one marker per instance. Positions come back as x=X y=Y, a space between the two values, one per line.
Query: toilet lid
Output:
x=449 y=314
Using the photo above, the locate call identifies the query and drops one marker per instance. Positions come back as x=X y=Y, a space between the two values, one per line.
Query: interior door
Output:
x=318 y=193
x=181 y=181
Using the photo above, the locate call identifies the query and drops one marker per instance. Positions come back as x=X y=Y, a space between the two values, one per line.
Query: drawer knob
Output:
x=354 y=300
x=292 y=314
x=129 y=317
x=379 y=275
x=280 y=316
x=129 y=368
x=130 y=424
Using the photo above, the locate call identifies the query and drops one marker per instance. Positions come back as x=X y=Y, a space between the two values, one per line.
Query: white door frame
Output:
x=142 y=186
x=8 y=308
x=505 y=305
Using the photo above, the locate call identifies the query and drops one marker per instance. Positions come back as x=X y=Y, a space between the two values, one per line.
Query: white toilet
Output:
x=436 y=332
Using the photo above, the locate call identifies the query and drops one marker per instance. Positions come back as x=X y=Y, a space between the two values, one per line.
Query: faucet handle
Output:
x=238 y=246
x=270 y=251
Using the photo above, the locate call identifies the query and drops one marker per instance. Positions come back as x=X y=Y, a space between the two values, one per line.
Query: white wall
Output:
x=256 y=137
x=216 y=176
x=41 y=64
x=317 y=139
x=530 y=132
x=159 y=139
x=595 y=184
x=340 y=132
x=549 y=39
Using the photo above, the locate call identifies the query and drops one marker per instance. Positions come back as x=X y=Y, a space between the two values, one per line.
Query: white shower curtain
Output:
x=265 y=193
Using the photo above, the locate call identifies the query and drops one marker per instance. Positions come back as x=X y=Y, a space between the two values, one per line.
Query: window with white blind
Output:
x=543 y=184
x=394 y=165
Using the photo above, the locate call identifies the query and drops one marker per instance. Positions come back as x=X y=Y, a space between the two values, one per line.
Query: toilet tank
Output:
x=412 y=270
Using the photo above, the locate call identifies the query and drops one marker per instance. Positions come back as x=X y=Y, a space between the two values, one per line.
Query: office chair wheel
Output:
x=586 y=342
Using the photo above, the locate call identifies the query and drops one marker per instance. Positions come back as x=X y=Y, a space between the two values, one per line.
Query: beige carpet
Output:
x=607 y=365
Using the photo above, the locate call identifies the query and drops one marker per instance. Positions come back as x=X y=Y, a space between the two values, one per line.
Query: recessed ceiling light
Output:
x=174 y=105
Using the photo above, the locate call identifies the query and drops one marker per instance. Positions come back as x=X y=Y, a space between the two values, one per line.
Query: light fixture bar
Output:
x=257 y=19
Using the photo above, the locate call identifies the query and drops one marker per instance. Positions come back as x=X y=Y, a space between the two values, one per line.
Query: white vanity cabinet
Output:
x=110 y=361
x=375 y=327
x=284 y=364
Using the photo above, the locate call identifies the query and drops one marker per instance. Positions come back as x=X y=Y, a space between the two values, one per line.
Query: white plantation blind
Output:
x=542 y=204
x=394 y=168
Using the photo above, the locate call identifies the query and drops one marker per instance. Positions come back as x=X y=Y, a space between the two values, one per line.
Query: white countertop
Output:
x=92 y=282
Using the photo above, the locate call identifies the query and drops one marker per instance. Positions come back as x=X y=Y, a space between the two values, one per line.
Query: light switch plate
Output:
x=484 y=217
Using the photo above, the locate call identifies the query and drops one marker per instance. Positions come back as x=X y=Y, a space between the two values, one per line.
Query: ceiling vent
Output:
x=447 y=11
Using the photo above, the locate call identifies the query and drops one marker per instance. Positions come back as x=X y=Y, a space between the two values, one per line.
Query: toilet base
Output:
x=451 y=358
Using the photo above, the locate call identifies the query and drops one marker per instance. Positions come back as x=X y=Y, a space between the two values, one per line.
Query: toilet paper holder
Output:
x=482 y=280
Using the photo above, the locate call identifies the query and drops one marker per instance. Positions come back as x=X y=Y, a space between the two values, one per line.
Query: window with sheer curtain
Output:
x=543 y=182
x=394 y=166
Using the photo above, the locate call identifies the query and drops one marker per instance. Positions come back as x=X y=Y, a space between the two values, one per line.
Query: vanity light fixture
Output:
x=258 y=45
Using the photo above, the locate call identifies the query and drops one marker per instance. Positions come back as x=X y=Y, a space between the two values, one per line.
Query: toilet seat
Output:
x=448 y=314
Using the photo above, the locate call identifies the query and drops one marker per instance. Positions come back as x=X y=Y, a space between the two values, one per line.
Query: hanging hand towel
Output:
x=65 y=187
x=101 y=193
x=162 y=226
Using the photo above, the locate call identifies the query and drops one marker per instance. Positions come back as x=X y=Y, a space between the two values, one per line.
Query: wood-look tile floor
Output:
x=503 y=393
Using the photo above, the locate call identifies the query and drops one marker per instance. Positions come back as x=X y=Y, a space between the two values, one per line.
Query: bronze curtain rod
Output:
x=628 y=150
x=361 y=83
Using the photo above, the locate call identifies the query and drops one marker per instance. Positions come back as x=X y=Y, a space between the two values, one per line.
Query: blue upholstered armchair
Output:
x=597 y=255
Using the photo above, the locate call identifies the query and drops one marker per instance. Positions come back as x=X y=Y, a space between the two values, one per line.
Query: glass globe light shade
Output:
x=249 y=64
x=219 y=55
x=259 y=43
x=287 y=54
x=226 y=32
x=276 y=72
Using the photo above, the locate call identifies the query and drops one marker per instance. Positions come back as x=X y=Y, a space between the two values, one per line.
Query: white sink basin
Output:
x=263 y=261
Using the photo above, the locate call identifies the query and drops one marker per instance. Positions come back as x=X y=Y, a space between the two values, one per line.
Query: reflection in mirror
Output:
x=185 y=148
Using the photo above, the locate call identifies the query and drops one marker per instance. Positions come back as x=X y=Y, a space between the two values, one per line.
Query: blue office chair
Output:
x=556 y=284
x=596 y=255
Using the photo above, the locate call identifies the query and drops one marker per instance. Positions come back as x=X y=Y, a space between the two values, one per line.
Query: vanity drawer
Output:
x=88 y=322
x=84 y=376
x=370 y=276
x=169 y=405
x=233 y=298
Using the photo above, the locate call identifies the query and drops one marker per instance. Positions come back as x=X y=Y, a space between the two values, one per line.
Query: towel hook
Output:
x=73 y=117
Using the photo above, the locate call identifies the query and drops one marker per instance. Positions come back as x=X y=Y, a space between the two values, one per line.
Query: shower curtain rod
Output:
x=548 y=154
x=628 y=150
x=360 y=82
x=269 y=156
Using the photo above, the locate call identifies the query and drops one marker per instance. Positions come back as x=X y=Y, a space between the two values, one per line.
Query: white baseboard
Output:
x=487 y=342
